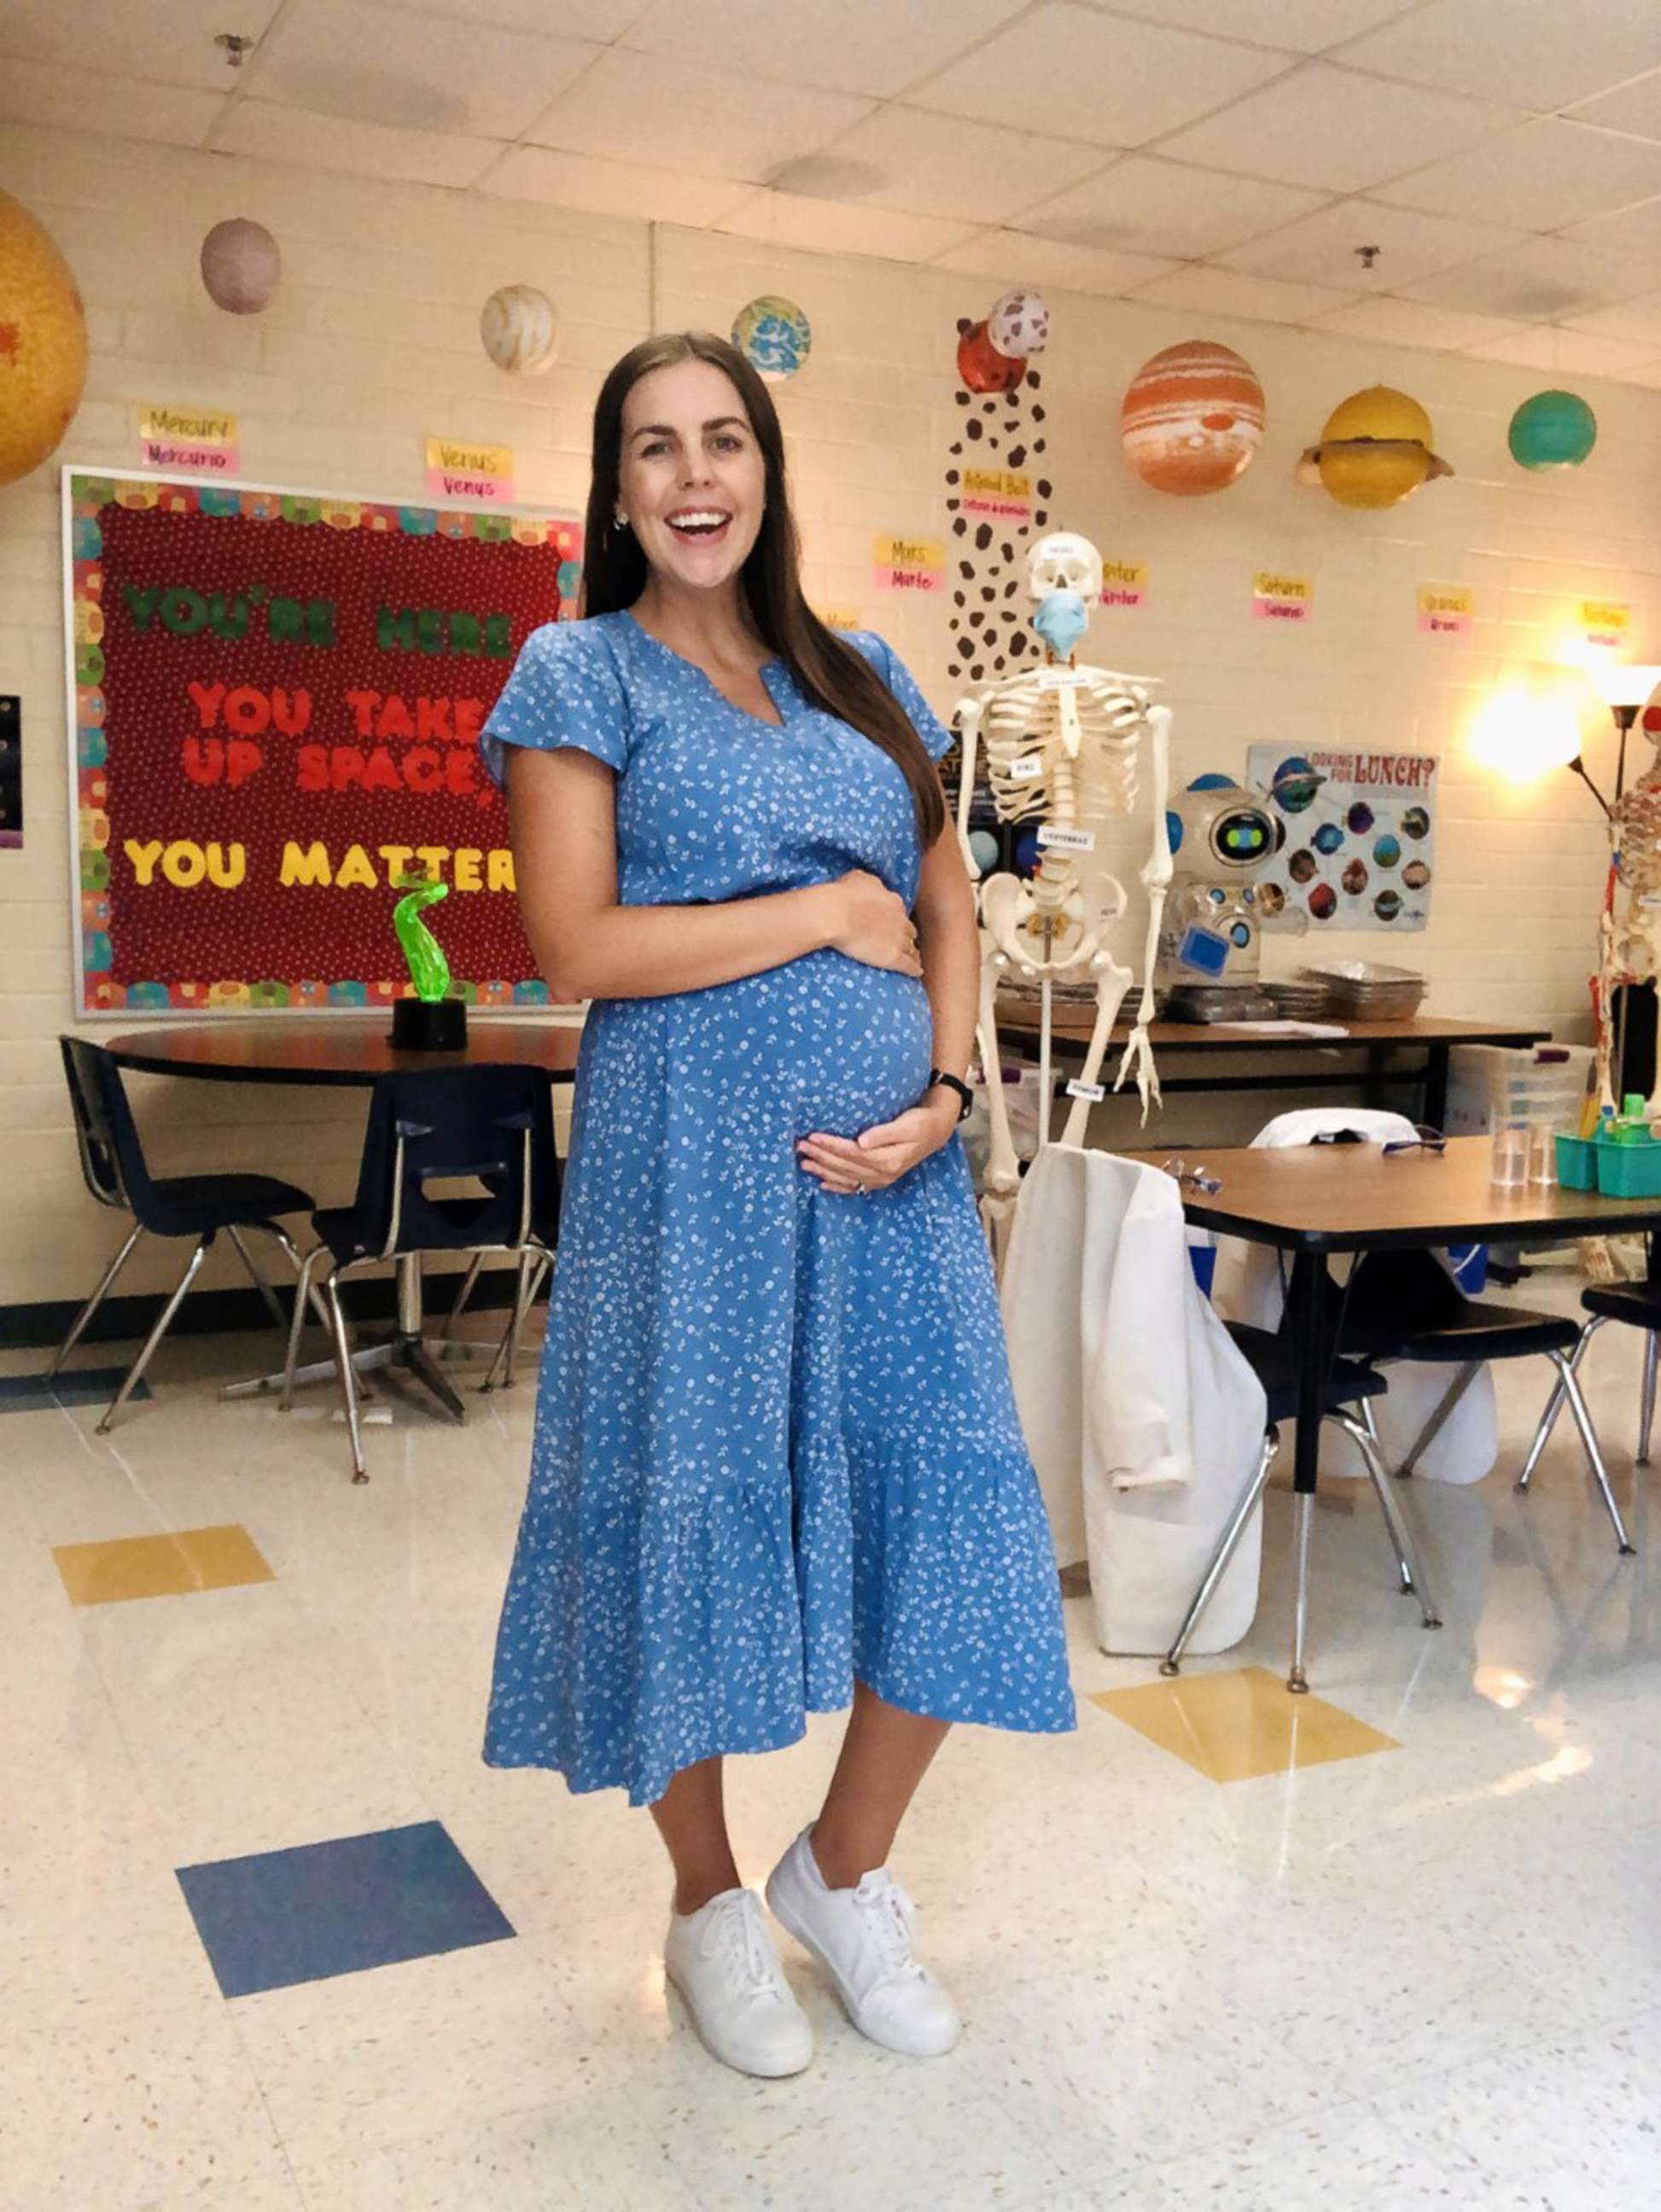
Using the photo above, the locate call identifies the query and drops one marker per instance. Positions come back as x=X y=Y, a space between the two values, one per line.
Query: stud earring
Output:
x=621 y=520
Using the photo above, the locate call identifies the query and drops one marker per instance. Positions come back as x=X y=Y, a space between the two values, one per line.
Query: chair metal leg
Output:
x=541 y=1262
x=343 y=1353
x=1227 y=1545
x=1555 y=1407
x=1646 y=1418
x=468 y=1280
x=77 y=1326
x=301 y=1296
x=306 y=1294
x=258 y=1280
x=135 y=1374
x=1304 y=1507
x=1588 y=1442
x=1439 y=1418
x=1363 y=1433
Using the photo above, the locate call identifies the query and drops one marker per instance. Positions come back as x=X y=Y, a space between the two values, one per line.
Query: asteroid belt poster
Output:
x=1359 y=847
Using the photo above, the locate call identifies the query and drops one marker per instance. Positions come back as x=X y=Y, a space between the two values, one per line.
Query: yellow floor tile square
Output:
x=1233 y=1727
x=160 y=1566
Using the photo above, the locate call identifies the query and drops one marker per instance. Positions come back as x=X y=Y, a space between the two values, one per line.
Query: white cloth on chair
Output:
x=1247 y=1287
x=1144 y=1420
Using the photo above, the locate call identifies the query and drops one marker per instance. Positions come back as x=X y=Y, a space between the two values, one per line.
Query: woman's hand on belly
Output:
x=880 y=1155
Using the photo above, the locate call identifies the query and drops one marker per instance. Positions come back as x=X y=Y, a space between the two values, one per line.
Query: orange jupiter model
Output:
x=1193 y=418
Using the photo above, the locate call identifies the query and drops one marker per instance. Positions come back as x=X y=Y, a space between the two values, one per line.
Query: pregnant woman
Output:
x=778 y=1465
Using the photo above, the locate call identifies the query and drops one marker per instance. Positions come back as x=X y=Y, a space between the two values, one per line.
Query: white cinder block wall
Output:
x=373 y=344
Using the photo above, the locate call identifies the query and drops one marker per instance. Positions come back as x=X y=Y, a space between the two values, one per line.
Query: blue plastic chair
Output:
x=491 y=1126
x=112 y=1162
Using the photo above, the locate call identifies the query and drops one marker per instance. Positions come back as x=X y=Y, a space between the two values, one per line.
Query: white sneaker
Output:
x=863 y=1938
x=722 y=1960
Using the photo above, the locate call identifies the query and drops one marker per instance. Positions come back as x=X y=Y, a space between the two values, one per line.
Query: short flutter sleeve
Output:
x=565 y=689
x=901 y=682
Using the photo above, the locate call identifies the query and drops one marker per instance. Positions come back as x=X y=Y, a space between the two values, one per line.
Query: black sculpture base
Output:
x=429 y=1025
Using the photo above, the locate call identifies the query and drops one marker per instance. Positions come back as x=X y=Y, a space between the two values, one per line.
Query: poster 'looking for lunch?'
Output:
x=1358 y=849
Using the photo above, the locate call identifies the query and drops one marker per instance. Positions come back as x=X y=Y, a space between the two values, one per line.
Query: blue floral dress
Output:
x=776 y=1447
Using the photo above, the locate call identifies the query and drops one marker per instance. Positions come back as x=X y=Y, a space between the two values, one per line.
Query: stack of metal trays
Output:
x=1368 y=990
x=1069 y=995
x=1218 y=1002
x=1303 y=1000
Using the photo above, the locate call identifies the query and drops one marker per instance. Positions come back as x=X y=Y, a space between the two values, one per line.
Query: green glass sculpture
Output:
x=432 y=1021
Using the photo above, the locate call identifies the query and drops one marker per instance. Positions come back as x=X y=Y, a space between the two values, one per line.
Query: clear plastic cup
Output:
x=1510 y=1169
x=1542 y=1153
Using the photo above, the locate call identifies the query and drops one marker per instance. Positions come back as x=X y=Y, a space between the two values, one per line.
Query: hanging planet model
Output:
x=1553 y=430
x=1375 y=450
x=43 y=342
x=774 y=335
x=241 y=265
x=519 y=330
x=1193 y=419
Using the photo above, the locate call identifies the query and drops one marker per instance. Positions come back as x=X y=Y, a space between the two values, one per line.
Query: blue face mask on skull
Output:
x=1060 y=619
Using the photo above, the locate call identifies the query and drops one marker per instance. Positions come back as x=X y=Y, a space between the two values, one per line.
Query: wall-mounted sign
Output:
x=458 y=468
x=1277 y=597
x=1446 y=610
x=189 y=438
x=1004 y=493
x=1359 y=850
x=1604 y=622
x=1124 y=583
x=907 y=564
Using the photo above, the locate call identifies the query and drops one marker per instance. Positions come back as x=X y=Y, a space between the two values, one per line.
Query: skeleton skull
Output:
x=1064 y=562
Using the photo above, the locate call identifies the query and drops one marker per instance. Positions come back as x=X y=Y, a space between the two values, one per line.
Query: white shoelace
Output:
x=736 y=1931
x=891 y=1919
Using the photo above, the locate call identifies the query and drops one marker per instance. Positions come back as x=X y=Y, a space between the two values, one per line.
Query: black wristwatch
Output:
x=966 y=1097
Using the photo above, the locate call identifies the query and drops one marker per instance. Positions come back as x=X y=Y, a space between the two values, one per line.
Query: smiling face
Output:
x=692 y=479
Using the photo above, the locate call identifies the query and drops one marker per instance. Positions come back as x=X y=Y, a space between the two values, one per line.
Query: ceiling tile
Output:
x=1070 y=71
x=1321 y=248
x=157 y=41
x=1638 y=319
x=367 y=149
x=1010 y=257
x=832 y=227
x=1329 y=128
x=1630 y=230
x=1567 y=353
x=1539 y=280
x=848 y=45
x=912 y=158
x=1210 y=291
x=687 y=117
x=1635 y=108
x=577 y=180
x=426 y=73
x=85 y=100
x=1405 y=322
x=1305 y=26
x=1143 y=205
x=1534 y=53
x=1539 y=178
x=600 y=21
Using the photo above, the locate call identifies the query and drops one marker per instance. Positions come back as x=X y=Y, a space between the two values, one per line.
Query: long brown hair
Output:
x=829 y=672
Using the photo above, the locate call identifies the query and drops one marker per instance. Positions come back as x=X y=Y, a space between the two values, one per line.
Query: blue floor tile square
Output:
x=302 y=1915
x=77 y=1386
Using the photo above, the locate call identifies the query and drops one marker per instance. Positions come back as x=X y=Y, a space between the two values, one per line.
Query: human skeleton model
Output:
x=1629 y=940
x=1050 y=733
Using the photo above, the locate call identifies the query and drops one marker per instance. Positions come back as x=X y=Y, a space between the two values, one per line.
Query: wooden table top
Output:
x=1350 y=1197
x=344 y=1050
x=1073 y=1022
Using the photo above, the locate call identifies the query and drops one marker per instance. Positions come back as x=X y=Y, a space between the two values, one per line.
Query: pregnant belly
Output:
x=824 y=1043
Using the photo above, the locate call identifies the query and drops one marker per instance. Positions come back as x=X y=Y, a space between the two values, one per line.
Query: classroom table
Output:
x=1378 y=1047
x=1311 y=1200
x=349 y=1051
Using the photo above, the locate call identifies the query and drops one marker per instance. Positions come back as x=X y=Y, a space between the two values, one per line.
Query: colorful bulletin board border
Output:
x=116 y=742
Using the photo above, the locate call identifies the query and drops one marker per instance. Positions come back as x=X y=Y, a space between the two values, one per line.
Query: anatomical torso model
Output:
x=1050 y=734
x=1630 y=927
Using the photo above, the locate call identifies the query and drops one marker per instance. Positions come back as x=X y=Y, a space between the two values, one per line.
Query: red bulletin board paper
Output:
x=275 y=703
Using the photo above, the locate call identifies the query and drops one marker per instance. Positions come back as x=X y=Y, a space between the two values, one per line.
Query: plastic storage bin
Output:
x=1492 y=1084
x=1577 y=1162
x=1629 y=1171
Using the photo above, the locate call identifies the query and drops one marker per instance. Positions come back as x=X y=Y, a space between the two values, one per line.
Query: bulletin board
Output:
x=1359 y=850
x=275 y=699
